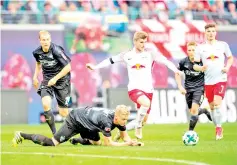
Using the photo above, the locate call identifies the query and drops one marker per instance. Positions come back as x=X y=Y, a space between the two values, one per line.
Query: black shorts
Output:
x=194 y=97
x=62 y=92
x=87 y=134
x=65 y=132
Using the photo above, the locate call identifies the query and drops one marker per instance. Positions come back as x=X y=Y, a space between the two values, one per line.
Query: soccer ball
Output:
x=190 y=138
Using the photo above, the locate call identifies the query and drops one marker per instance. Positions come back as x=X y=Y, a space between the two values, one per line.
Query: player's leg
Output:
x=219 y=92
x=87 y=138
x=145 y=103
x=46 y=94
x=191 y=107
x=62 y=93
x=63 y=134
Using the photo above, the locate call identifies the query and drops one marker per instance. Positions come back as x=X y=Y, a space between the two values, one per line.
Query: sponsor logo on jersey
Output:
x=212 y=57
x=138 y=66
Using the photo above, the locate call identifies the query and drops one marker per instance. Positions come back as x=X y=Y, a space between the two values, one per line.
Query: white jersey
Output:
x=139 y=66
x=213 y=55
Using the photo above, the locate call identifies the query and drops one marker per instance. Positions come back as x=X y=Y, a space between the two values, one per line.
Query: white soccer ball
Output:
x=190 y=138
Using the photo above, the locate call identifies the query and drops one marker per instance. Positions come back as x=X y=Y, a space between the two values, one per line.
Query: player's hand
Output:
x=52 y=81
x=204 y=68
x=35 y=83
x=225 y=70
x=90 y=66
x=182 y=90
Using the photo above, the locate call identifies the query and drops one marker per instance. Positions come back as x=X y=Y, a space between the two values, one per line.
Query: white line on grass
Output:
x=110 y=157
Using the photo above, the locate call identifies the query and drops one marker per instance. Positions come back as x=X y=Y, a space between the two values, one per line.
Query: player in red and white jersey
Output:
x=139 y=65
x=212 y=54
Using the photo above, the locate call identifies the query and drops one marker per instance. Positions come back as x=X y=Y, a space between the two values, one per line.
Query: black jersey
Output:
x=52 y=61
x=193 y=80
x=95 y=120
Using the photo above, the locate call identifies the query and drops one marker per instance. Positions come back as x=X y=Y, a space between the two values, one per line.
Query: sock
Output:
x=50 y=120
x=201 y=111
x=131 y=125
x=38 y=139
x=217 y=116
x=213 y=117
x=193 y=122
x=140 y=116
x=81 y=141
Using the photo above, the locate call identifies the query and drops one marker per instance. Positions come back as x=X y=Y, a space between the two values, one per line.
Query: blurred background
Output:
x=91 y=31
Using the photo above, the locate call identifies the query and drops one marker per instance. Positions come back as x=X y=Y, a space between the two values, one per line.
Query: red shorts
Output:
x=135 y=93
x=216 y=89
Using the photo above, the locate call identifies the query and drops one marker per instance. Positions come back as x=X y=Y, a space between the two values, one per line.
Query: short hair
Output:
x=192 y=43
x=140 y=35
x=210 y=25
x=43 y=32
x=122 y=110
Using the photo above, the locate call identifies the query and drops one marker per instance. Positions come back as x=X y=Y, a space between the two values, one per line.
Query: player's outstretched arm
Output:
x=106 y=62
x=161 y=59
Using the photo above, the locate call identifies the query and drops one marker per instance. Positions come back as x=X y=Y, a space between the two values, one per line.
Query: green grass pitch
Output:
x=163 y=146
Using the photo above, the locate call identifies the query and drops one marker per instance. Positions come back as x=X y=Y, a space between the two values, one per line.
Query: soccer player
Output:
x=56 y=68
x=139 y=65
x=87 y=122
x=194 y=85
x=212 y=54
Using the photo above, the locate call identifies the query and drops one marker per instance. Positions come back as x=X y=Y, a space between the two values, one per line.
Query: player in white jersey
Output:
x=139 y=64
x=212 y=54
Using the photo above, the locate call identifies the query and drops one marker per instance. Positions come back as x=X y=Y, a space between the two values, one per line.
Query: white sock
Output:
x=217 y=116
x=131 y=125
x=140 y=116
x=213 y=116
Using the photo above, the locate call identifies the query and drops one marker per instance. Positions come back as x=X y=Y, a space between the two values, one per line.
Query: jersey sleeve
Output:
x=181 y=65
x=36 y=56
x=60 y=55
x=227 y=50
x=121 y=128
x=106 y=126
x=197 y=54
x=117 y=58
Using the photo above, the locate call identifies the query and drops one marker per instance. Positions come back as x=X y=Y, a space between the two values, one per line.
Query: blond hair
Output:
x=140 y=35
x=210 y=25
x=122 y=110
x=43 y=32
x=192 y=43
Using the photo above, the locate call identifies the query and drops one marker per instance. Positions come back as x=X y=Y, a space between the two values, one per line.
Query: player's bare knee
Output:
x=194 y=111
x=63 y=112
x=46 y=106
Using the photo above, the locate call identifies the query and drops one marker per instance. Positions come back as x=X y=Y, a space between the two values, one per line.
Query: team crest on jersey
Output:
x=62 y=138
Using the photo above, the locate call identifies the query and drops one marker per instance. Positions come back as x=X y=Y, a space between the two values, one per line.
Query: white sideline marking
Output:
x=109 y=157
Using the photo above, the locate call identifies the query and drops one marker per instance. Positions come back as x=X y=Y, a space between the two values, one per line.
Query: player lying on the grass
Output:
x=194 y=86
x=212 y=54
x=139 y=62
x=87 y=122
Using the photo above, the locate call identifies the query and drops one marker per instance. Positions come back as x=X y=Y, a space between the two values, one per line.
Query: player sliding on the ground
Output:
x=212 y=54
x=87 y=122
x=194 y=86
x=139 y=64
